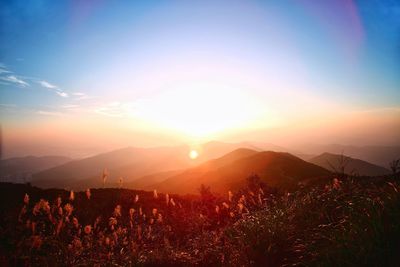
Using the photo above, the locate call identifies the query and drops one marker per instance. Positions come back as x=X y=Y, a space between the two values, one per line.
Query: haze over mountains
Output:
x=334 y=162
x=129 y=163
x=219 y=165
x=20 y=169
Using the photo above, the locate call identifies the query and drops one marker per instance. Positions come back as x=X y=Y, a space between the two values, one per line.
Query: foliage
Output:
x=344 y=223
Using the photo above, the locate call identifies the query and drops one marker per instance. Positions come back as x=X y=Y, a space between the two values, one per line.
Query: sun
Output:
x=193 y=154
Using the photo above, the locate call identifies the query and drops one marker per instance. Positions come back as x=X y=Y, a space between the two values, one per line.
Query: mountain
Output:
x=379 y=155
x=332 y=162
x=129 y=163
x=21 y=169
x=276 y=169
x=152 y=165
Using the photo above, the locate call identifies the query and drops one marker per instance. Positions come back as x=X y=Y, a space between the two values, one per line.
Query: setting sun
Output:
x=193 y=154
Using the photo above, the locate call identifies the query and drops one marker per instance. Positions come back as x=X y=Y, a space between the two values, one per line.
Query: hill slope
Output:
x=354 y=166
x=277 y=169
x=130 y=163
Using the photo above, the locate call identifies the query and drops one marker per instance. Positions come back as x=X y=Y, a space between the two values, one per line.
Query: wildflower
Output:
x=217 y=209
x=117 y=211
x=261 y=191
x=105 y=175
x=172 y=202
x=167 y=199
x=230 y=196
x=159 y=218
x=68 y=209
x=88 y=194
x=120 y=182
x=231 y=214
x=154 y=212
x=58 y=201
x=75 y=222
x=41 y=206
x=72 y=195
x=225 y=205
x=112 y=221
x=155 y=194
x=88 y=229
x=260 y=199
x=26 y=199
x=131 y=212
x=241 y=206
x=242 y=199
x=136 y=198
x=336 y=184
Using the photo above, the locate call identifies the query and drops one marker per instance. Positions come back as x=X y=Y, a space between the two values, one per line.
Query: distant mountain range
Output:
x=20 y=169
x=333 y=163
x=130 y=163
x=379 y=155
x=220 y=165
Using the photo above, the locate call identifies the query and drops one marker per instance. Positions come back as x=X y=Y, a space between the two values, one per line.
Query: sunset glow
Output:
x=193 y=154
x=146 y=74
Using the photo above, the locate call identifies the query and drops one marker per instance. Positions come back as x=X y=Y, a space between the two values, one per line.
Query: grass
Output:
x=355 y=222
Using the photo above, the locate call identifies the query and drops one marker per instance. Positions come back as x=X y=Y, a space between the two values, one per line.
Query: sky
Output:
x=80 y=77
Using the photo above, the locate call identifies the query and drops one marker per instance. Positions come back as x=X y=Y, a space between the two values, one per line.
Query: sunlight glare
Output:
x=193 y=154
x=200 y=110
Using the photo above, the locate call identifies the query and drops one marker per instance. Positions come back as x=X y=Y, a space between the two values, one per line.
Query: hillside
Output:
x=149 y=182
x=130 y=163
x=20 y=169
x=353 y=166
x=276 y=169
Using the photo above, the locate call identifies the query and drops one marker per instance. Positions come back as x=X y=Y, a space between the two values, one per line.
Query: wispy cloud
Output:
x=15 y=80
x=48 y=113
x=71 y=106
x=61 y=93
x=7 y=78
x=115 y=109
x=4 y=71
x=81 y=96
x=48 y=85
x=51 y=86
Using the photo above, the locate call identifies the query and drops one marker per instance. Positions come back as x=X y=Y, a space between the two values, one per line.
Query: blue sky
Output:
x=72 y=60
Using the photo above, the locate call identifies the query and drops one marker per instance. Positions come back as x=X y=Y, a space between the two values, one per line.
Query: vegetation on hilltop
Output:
x=342 y=223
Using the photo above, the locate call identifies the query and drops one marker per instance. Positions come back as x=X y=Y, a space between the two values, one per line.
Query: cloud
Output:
x=115 y=109
x=81 y=96
x=14 y=79
x=47 y=85
x=21 y=81
x=70 y=106
x=51 y=86
x=2 y=70
x=78 y=94
x=61 y=93
x=48 y=113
